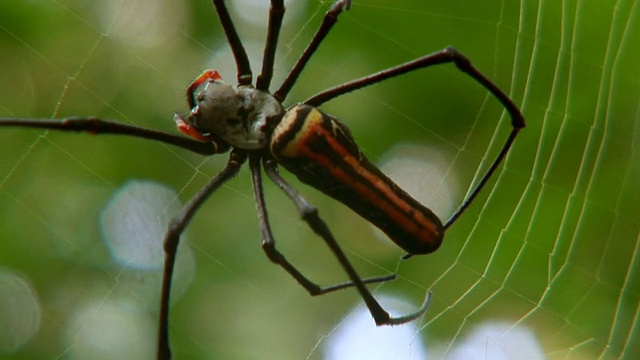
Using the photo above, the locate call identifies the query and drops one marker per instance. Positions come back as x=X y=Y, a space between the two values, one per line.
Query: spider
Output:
x=252 y=124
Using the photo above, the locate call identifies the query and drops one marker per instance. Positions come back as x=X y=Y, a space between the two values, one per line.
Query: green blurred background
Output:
x=549 y=245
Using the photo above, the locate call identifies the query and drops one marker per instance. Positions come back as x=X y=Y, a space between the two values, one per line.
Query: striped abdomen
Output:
x=321 y=152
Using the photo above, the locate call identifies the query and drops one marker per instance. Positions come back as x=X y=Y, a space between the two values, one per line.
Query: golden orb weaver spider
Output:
x=252 y=123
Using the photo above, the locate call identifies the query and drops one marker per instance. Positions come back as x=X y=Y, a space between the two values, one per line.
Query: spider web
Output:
x=543 y=264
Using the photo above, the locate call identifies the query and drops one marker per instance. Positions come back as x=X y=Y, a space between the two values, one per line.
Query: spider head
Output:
x=241 y=116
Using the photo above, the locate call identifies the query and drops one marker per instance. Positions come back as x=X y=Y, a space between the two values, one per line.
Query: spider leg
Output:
x=239 y=54
x=269 y=245
x=444 y=56
x=276 y=12
x=310 y=216
x=330 y=18
x=172 y=239
x=98 y=126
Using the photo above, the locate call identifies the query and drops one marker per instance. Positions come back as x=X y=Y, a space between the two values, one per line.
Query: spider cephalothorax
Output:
x=241 y=116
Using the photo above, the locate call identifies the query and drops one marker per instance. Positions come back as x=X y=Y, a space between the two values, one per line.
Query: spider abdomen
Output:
x=320 y=151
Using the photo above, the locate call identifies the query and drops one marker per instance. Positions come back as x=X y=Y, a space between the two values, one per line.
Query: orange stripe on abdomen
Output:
x=323 y=154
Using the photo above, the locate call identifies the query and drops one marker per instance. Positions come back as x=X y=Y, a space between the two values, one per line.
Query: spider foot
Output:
x=388 y=320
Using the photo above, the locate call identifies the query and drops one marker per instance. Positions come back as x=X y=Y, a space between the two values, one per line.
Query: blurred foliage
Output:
x=550 y=244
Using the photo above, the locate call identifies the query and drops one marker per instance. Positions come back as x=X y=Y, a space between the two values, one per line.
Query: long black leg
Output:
x=99 y=126
x=239 y=54
x=476 y=190
x=269 y=245
x=330 y=18
x=276 y=12
x=310 y=215
x=443 y=56
x=172 y=239
x=447 y=55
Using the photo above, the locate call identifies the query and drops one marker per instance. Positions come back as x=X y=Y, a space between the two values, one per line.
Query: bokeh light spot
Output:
x=19 y=312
